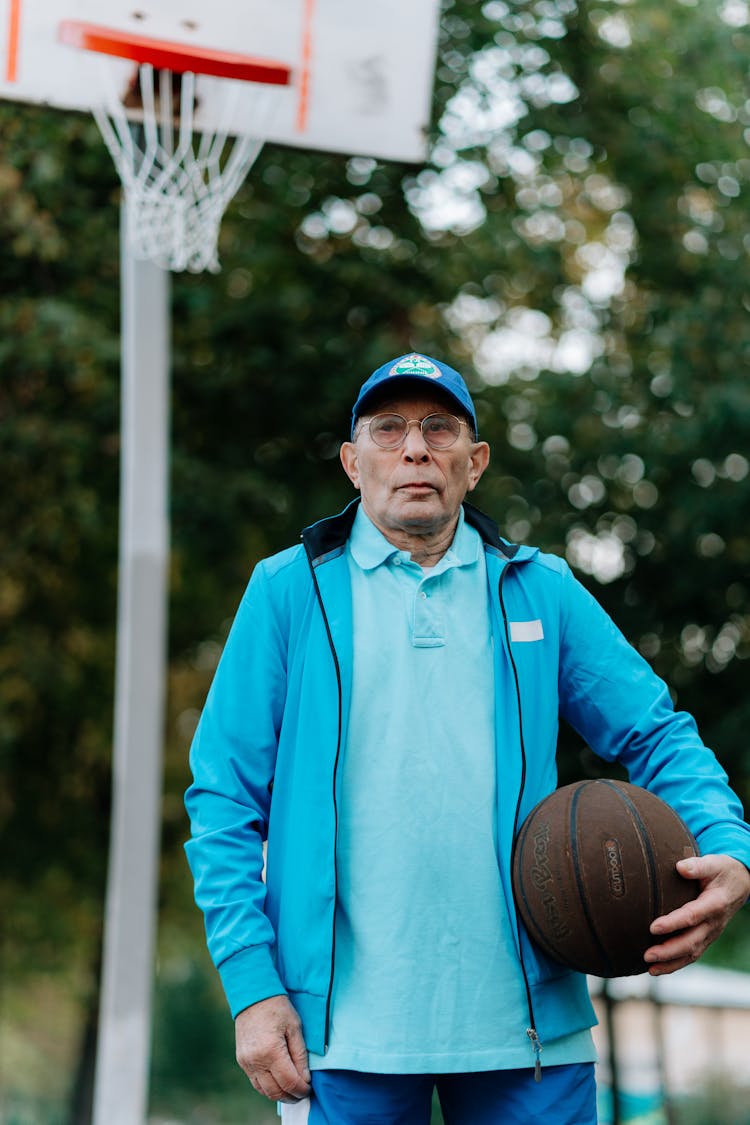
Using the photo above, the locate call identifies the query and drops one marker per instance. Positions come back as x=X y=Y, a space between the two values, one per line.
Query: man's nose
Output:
x=415 y=448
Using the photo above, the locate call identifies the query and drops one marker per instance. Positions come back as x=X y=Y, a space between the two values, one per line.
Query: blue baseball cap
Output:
x=415 y=371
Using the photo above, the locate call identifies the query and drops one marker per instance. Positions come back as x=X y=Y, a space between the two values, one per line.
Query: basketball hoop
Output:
x=178 y=177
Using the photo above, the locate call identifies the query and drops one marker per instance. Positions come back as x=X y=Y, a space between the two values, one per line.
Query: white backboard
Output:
x=362 y=72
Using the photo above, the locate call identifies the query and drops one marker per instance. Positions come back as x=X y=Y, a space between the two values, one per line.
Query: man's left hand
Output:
x=724 y=888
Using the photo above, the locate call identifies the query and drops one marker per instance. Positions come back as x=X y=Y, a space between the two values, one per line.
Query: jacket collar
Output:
x=328 y=536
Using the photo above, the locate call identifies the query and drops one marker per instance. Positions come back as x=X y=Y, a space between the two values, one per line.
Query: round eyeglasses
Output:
x=440 y=431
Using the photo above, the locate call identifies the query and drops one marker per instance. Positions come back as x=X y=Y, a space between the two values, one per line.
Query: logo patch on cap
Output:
x=416 y=365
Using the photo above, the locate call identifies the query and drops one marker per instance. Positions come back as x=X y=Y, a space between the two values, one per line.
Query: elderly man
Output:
x=385 y=714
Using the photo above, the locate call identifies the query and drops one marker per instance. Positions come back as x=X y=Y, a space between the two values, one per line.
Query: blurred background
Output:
x=577 y=243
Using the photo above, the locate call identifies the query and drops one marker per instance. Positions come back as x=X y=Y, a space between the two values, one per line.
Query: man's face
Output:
x=413 y=490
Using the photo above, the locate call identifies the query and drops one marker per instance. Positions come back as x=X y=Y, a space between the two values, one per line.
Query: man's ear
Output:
x=350 y=461
x=479 y=460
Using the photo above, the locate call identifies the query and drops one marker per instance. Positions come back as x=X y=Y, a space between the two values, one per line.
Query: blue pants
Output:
x=566 y=1095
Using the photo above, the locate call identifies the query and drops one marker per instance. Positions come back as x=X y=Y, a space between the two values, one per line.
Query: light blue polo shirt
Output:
x=426 y=978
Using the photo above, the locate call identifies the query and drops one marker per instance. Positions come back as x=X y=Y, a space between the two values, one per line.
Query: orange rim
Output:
x=165 y=55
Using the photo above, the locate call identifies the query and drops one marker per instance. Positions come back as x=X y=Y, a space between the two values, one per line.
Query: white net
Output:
x=178 y=183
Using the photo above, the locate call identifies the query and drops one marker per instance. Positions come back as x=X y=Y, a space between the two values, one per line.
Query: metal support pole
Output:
x=613 y=1055
x=660 y=1045
x=121 y=1082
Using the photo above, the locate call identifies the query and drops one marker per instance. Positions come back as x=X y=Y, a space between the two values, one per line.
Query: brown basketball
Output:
x=593 y=865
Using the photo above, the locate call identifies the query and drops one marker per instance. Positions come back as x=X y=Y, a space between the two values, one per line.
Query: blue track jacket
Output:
x=266 y=754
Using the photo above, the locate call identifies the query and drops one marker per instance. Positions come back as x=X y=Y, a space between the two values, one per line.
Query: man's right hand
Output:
x=271 y=1050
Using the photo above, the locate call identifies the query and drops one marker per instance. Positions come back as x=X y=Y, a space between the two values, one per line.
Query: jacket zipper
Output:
x=531 y=1029
x=335 y=805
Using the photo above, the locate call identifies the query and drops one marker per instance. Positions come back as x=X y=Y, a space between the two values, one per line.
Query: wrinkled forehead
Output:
x=413 y=404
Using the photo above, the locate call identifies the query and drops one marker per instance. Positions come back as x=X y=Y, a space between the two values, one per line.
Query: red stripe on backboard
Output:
x=303 y=105
x=14 y=27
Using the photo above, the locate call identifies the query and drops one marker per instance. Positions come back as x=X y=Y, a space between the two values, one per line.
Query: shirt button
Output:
x=423 y=595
